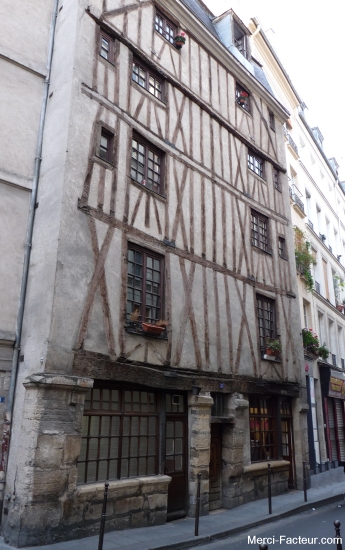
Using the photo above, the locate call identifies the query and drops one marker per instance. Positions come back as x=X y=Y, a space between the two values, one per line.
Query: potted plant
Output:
x=304 y=258
x=323 y=351
x=273 y=347
x=242 y=98
x=133 y=319
x=155 y=328
x=180 y=40
x=310 y=340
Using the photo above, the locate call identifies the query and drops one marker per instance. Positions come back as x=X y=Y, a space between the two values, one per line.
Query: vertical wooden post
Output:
x=104 y=511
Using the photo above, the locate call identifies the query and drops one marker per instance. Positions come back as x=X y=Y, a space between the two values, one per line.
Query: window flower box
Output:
x=180 y=40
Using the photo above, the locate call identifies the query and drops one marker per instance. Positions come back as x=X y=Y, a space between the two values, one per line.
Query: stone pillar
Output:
x=236 y=450
x=199 y=417
x=46 y=472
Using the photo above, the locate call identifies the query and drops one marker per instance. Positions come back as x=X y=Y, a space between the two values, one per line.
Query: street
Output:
x=306 y=530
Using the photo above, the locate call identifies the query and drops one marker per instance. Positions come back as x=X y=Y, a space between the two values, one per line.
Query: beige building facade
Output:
x=161 y=334
x=318 y=212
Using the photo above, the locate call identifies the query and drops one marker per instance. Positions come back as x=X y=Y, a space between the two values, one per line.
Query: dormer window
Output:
x=240 y=40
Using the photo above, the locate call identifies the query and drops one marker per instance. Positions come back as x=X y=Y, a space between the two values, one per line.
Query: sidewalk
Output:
x=326 y=488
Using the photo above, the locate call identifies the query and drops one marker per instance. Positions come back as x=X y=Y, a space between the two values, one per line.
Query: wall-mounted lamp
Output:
x=196 y=390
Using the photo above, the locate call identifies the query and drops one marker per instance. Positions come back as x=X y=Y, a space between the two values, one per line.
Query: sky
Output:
x=309 y=39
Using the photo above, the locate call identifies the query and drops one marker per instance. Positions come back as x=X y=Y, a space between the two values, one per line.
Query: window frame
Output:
x=104 y=35
x=242 y=43
x=276 y=179
x=142 y=306
x=123 y=412
x=256 y=235
x=246 y=105
x=282 y=249
x=166 y=22
x=265 y=333
x=156 y=151
x=257 y=424
x=272 y=120
x=109 y=135
x=149 y=73
x=252 y=160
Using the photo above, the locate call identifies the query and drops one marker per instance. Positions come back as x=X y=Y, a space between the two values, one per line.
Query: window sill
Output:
x=278 y=189
x=102 y=162
x=268 y=252
x=283 y=258
x=243 y=109
x=271 y=358
x=168 y=42
x=106 y=61
x=148 y=190
x=159 y=102
x=133 y=327
x=257 y=175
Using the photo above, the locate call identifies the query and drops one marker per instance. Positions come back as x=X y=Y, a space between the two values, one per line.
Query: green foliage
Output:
x=310 y=340
x=274 y=345
x=304 y=257
x=323 y=351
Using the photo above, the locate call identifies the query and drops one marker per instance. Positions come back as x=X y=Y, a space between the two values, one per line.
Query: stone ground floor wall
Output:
x=46 y=505
x=252 y=484
x=135 y=502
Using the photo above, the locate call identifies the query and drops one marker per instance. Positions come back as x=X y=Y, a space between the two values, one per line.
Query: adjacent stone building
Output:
x=318 y=212
x=161 y=333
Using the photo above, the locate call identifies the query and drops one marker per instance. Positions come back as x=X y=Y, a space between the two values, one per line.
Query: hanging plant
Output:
x=180 y=40
x=304 y=257
x=323 y=351
x=310 y=340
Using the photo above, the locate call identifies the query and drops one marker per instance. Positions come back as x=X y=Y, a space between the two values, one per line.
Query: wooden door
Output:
x=176 y=463
x=215 y=495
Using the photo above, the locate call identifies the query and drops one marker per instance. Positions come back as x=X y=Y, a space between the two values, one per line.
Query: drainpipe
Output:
x=27 y=252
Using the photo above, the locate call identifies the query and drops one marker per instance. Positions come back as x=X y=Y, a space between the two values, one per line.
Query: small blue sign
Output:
x=2 y=400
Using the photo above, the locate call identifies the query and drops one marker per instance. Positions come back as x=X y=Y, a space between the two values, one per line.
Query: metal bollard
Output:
x=305 y=482
x=269 y=491
x=337 y=534
x=263 y=547
x=197 y=509
x=104 y=510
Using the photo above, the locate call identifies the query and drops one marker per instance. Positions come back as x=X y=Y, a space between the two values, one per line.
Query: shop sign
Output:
x=336 y=388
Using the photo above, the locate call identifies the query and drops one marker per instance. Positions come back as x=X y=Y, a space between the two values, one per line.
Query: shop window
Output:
x=145 y=272
x=119 y=434
x=262 y=428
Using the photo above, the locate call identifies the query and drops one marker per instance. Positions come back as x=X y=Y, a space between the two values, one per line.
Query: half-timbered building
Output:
x=161 y=333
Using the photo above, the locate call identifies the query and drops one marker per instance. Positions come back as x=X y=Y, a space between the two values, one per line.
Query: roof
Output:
x=206 y=17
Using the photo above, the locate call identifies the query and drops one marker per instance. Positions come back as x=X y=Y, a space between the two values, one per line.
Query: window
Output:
x=147 y=164
x=242 y=97
x=282 y=248
x=305 y=314
x=266 y=319
x=106 y=47
x=256 y=164
x=259 y=231
x=276 y=179
x=218 y=406
x=106 y=143
x=272 y=121
x=147 y=79
x=165 y=27
x=145 y=274
x=262 y=428
x=119 y=434
x=240 y=40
